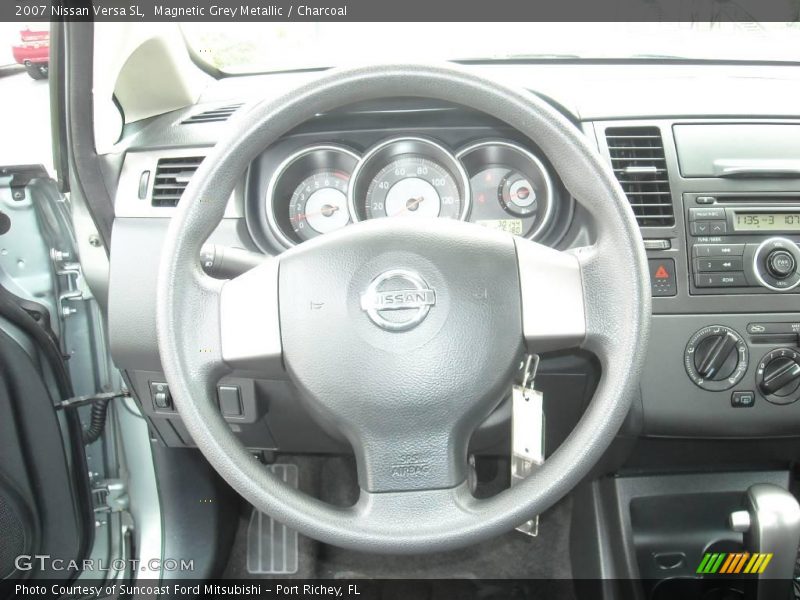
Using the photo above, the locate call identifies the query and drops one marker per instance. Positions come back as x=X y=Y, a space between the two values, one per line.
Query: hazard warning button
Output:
x=662 y=277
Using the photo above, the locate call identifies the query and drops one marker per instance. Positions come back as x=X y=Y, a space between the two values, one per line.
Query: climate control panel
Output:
x=717 y=358
x=728 y=375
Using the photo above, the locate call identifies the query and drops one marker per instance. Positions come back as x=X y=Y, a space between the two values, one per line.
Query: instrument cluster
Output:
x=495 y=183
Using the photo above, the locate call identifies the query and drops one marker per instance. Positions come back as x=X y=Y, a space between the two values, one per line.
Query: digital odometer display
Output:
x=766 y=221
x=513 y=226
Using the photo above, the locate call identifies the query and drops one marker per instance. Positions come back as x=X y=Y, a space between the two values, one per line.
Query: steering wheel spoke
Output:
x=553 y=298
x=429 y=509
x=250 y=336
x=414 y=456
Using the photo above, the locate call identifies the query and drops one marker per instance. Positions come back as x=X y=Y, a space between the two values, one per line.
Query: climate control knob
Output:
x=716 y=358
x=778 y=375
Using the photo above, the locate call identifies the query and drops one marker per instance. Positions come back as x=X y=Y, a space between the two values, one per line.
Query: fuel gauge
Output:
x=517 y=195
x=511 y=188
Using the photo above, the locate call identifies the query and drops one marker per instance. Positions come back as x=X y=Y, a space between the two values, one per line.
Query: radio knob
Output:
x=780 y=264
x=775 y=263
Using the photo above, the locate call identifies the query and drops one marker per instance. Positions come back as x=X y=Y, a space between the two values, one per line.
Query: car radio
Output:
x=743 y=244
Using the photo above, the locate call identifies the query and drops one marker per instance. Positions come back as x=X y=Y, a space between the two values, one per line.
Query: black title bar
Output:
x=405 y=10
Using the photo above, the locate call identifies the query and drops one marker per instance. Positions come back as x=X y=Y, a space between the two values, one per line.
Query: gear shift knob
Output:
x=771 y=525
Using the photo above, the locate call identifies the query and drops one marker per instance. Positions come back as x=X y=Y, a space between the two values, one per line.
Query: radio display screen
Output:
x=760 y=221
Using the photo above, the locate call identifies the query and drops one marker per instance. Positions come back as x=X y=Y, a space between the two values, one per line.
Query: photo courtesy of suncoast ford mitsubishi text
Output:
x=508 y=311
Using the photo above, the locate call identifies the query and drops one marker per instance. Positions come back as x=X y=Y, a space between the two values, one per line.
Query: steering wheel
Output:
x=469 y=303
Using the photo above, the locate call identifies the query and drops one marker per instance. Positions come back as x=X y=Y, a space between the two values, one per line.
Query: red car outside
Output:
x=34 y=51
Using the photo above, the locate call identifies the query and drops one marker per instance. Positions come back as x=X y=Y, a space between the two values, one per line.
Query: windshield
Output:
x=255 y=47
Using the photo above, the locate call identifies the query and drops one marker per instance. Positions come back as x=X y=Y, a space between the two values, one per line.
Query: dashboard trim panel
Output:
x=126 y=200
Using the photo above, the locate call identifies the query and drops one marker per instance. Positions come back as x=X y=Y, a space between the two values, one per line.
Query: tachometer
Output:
x=307 y=194
x=409 y=177
x=319 y=204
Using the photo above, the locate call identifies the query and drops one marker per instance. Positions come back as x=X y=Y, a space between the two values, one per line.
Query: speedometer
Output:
x=409 y=178
x=413 y=186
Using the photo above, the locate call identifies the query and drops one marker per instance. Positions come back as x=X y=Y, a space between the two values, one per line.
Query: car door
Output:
x=62 y=484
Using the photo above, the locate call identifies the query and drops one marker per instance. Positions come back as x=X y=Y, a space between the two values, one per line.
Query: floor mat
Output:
x=509 y=556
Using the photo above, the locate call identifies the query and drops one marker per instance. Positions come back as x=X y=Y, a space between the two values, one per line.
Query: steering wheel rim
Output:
x=612 y=273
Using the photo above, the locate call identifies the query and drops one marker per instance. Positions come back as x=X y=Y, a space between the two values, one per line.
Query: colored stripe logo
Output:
x=733 y=563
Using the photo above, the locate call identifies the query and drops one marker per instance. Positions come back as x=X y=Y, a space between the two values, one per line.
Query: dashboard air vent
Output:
x=172 y=177
x=637 y=156
x=221 y=113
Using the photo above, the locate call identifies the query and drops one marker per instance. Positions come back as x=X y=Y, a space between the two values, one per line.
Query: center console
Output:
x=740 y=244
x=719 y=208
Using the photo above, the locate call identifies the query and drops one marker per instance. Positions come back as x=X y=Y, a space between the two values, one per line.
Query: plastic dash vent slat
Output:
x=221 y=113
x=172 y=177
x=637 y=157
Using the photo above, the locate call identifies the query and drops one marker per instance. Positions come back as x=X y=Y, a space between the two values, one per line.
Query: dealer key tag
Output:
x=527 y=433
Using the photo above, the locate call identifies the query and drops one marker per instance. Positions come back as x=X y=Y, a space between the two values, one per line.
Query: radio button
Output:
x=718 y=227
x=719 y=280
x=783 y=285
x=700 y=227
x=704 y=250
x=712 y=265
x=700 y=214
x=709 y=227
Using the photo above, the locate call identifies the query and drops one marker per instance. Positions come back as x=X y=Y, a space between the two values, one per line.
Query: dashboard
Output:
x=713 y=179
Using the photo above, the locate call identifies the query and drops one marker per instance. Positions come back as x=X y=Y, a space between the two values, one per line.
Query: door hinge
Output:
x=76 y=287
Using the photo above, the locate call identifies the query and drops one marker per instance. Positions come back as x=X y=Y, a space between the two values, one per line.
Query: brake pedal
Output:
x=272 y=546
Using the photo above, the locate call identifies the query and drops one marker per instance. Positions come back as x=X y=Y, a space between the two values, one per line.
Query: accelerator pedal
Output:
x=272 y=546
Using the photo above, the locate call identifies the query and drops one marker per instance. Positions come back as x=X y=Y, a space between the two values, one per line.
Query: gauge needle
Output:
x=412 y=204
x=326 y=211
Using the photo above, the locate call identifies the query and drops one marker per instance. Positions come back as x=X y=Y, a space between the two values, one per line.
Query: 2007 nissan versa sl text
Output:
x=246 y=11
x=302 y=304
